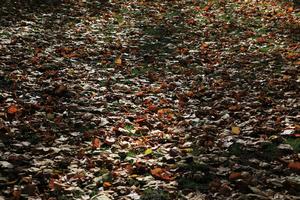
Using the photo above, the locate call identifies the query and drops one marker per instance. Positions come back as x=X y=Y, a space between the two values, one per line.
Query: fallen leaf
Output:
x=148 y=151
x=161 y=173
x=13 y=109
x=235 y=176
x=140 y=94
x=290 y=9
x=294 y=166
x=152 y=107
x=163 y=111
x=118 y=60
x=96 y=143
x=16 y=194
x=106 y=184
x=51 y=184
x=235 y=130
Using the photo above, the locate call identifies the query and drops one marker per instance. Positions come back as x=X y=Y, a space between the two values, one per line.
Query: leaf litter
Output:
x=150 y=100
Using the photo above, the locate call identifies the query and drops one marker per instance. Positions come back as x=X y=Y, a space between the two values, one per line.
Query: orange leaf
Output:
x=235 y=176
x=161 y=174
x=163 y=111
x=96 y=143
x=235 y=130
x=290 y=9
x=12 y=109
x=106 y=184
x=294 y=166
x=189 y=93
x=118 y=60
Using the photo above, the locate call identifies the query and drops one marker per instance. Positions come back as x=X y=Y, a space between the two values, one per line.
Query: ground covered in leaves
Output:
x=150 y=100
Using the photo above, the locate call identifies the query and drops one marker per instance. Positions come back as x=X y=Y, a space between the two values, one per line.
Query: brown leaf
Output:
x=140 y=94
x=294 y=165
x=261 y=40
x=16 y=194
x=235 y=176
x=152 y=107
x=161 y=173
x=96 y=143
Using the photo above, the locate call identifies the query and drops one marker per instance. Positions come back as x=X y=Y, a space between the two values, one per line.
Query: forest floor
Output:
x=150 y=100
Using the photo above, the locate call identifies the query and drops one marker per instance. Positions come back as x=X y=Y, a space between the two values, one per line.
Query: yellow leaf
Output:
x=118 y=60
x=148 y=151
x=235 y=130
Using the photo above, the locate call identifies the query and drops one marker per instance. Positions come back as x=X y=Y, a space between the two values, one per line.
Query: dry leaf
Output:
x=51 y=184
x=163 y=111
x=235 y=176
x=152 y=107
x=118 y=60
x=294 y=166
x=290 y=9
x=140 y=94
x=161 y=174
x=106 y=184
x=13 y=109
x=96 y=143
x=235 y=130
